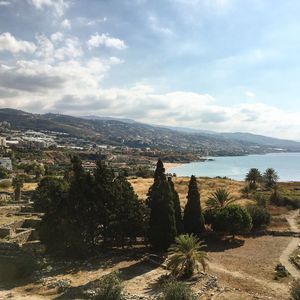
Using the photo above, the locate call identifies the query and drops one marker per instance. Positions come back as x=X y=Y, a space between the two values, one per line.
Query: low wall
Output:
x=22 y=237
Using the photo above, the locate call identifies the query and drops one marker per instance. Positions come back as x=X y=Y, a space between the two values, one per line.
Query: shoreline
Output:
x=169 y=166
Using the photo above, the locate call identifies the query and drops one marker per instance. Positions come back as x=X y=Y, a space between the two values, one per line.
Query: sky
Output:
x=222 y=65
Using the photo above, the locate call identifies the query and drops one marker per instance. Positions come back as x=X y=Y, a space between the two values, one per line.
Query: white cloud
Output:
x=106 y=40
x=115 y=60
x=66 y=24
x=58 y=5
x=250 y=94
x=74 y=87
x=90 y=22
x=9 y=43
x=155 y=26
x=4 y=3
x=69 y=48
x=45 y=47
x=57 y=37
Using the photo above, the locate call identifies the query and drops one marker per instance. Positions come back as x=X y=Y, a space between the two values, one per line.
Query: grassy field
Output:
x=206 y=187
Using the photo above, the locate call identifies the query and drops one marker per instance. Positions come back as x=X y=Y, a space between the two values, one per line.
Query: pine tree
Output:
x=193 y=217
x=130 y=212
x=104 y=197
x=162 y=226
x=78 y=211
x=177 y=208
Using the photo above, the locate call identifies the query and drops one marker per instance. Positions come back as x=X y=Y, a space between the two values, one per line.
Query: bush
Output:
x=280 y=271
x=3 y=173
x=5 y=183
x=110 y=288
x=261 y=200
x=209 y=216
x=176 y=290
x=295 y=291
x=260 y=216
x=279 y=200
x=232 y=219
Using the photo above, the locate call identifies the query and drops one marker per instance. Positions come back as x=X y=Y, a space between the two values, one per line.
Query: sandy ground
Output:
x=169 y=166
x=245 y=269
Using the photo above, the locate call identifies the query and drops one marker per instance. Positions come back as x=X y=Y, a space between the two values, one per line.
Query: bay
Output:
x=287 y=166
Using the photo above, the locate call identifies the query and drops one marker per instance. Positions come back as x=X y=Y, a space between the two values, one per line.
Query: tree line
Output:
x=86 y=212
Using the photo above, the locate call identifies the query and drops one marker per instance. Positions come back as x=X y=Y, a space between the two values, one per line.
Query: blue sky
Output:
x=224 y=65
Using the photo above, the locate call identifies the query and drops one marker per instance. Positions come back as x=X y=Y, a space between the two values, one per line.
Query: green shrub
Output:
x=110 y=288
x=232 y=219
x=260 y=216
x=261 y=200
x=295 y=291
x=3 y=173
x=280 y=271
x=176 y=290
x=5 y=183
x=209 y=216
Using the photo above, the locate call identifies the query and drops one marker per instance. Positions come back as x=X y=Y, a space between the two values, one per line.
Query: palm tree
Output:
x=270 y=177
x=253 y=177
x=186 y=256
x=218 y=199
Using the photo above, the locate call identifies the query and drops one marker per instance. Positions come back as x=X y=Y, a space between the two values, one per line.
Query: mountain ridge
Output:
x=126 y=132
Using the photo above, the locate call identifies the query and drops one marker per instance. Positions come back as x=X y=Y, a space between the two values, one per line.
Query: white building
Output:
x=6 y=163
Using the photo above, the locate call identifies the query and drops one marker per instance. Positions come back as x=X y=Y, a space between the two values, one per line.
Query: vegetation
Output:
x=193 y=217
x=3 y=173
x=253 y=177
x=261 y=200
x=270 y=178
x=177 y=208
x=17 y=184
x=218 y=199
x=285 y=197
x=186 y=255
x=232 y=219
x=280 y=271
x=177 y=290
x=162 y=224
x=5 y=183
x=110 y=288
x=49 y=189
x=260 y=216
x=295 y=290
x=95 y=210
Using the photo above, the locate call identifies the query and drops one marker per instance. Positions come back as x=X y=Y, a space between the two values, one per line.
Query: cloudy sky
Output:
x=224 y=65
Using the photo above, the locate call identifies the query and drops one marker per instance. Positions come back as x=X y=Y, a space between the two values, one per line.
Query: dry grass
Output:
x=206 y=187
x=27 y=187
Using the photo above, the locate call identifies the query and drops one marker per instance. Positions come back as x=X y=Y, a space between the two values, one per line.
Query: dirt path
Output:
x=284 y=258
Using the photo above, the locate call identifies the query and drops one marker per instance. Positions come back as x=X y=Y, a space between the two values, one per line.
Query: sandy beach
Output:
x=169 y=166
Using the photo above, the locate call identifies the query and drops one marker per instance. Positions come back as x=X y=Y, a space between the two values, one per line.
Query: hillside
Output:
x=133 y=134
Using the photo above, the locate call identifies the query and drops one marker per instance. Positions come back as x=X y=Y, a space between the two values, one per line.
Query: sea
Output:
x=287 y=166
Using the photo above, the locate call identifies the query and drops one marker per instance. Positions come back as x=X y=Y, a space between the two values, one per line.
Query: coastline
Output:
x=169 y=166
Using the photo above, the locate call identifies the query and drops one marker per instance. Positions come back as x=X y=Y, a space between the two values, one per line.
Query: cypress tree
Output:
x=162 y=226
x=177 y=208
x=193 y=218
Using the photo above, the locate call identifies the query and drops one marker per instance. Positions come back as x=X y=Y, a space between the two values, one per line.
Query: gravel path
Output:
x=284 y=258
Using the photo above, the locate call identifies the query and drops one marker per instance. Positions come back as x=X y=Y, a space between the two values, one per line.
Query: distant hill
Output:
x=106 y=130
